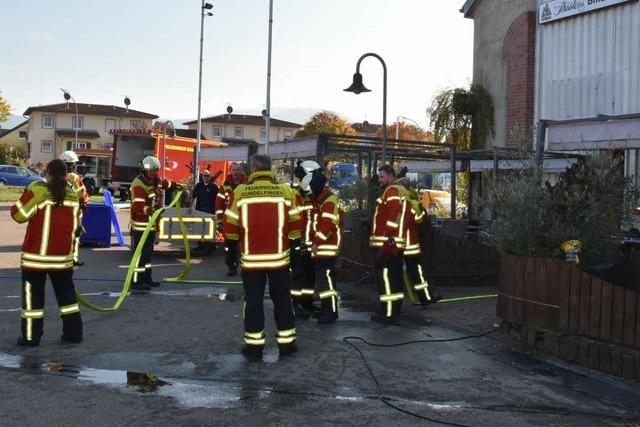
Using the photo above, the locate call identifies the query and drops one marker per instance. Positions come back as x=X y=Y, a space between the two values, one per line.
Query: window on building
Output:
x=109 y=124
x=217 y=131
x=77 y=122
x=47 y=122
x=72 y=145
x=22 y=134
x=136 y=124
x=108 y=146
x=46 y=146
x=239 y=132
x=263 y=134
x=288 y=134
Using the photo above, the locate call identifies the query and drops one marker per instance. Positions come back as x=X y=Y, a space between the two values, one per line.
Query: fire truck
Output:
x=176 y=155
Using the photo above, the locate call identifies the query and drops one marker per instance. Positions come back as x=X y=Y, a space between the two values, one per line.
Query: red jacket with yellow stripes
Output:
x=225 y=190
x=304 y=202
x=78 y=186
x=48 y=242
x=263 y=215
x=146 y=197
x=389 y=218
x=328 y=225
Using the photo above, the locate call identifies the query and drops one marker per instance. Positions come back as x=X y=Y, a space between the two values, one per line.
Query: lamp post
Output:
x=204 y=10
x=267 y=114
x=67 y=97
x=406 y=118
x=358 y=87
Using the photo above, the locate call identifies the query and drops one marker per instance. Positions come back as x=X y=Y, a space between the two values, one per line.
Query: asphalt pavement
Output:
x=172 y=357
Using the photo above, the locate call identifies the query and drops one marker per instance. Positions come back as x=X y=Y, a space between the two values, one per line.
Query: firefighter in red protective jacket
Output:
x=146 y=197
x=388 y=237
x=75 y=180
x=263 y=216
x=413 y=250
x=302 y=264
x=51 y=209
x=326 y=236
x=233 y=179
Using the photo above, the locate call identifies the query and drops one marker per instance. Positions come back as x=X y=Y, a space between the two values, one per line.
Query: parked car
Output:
x=17 y=175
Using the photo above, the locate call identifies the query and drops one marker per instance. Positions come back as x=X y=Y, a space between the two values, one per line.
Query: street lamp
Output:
x=267 y=112
x=204 y=10
x=358 y=87
x=67 y=97
x=406 y=118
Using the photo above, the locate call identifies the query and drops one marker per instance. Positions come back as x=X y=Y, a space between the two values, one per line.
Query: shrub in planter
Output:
x=590 y=202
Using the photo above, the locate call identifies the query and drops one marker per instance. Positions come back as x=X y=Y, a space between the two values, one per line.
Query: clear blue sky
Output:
x=101 y=50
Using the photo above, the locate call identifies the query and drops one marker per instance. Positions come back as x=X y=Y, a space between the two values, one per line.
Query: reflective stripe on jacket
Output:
x=328 y=225
x=305 y=208
x=145 y=198
x=76 y=183
x=389 y=218
x=263 y=215
x=48 y=242
x=225 y=190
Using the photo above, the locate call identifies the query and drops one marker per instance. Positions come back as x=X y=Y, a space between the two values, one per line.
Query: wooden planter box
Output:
x=569 y=313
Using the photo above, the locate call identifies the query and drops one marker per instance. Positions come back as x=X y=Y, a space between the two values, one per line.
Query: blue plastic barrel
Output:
x=97 y=223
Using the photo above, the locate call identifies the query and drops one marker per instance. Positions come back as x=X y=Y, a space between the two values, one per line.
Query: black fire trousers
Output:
x=390 y=281
x=415 y=271
x=33 y=283
x=326 y=284
x=231 y=254
x=303 y=279
x=254 y=282
x=142 y=272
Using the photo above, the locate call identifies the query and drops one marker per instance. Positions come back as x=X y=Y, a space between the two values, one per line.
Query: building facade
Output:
x=588 y=77
x=243 y=127
x=503 y=63
x=52 y=129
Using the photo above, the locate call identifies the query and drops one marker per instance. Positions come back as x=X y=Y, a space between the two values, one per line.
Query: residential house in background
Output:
x=52 y=130
x=239 y=128
x=15 y=137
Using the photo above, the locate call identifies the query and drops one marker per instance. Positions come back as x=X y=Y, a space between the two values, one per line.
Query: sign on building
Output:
x=560 y=9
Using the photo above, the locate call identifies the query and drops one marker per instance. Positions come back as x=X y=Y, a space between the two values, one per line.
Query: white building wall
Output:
x=590 y=64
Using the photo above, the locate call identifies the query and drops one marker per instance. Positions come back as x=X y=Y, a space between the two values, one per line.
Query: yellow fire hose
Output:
x=136 y=257
x=181 y=278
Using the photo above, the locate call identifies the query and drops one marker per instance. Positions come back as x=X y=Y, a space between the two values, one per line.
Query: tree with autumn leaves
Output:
x=5 y=109
x=407 y=132
x=326 y=122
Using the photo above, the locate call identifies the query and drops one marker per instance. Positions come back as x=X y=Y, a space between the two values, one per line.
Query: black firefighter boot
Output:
x=326 y=314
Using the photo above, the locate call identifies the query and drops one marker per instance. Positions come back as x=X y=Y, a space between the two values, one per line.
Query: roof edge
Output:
x=467 y=8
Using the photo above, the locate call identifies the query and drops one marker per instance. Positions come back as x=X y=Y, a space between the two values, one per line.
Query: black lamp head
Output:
x=208 y=6
x=67 y=96
x=229 y=109
x=127 y=101
x=357 y=86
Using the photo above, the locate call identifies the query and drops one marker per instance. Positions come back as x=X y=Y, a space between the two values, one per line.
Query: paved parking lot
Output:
x=189 y=336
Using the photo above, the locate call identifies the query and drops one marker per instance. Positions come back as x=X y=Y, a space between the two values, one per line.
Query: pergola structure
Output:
x=418 y=156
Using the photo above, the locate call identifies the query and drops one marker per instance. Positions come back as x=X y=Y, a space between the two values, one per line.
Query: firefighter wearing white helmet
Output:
x=146 y=197
x=302 y=265
x=75 y=182
x=325 y=238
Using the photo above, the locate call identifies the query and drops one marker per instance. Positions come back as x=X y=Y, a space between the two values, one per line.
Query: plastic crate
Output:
x=97 y=223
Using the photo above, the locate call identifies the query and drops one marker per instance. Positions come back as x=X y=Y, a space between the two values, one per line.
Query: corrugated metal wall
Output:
x=591 y=64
